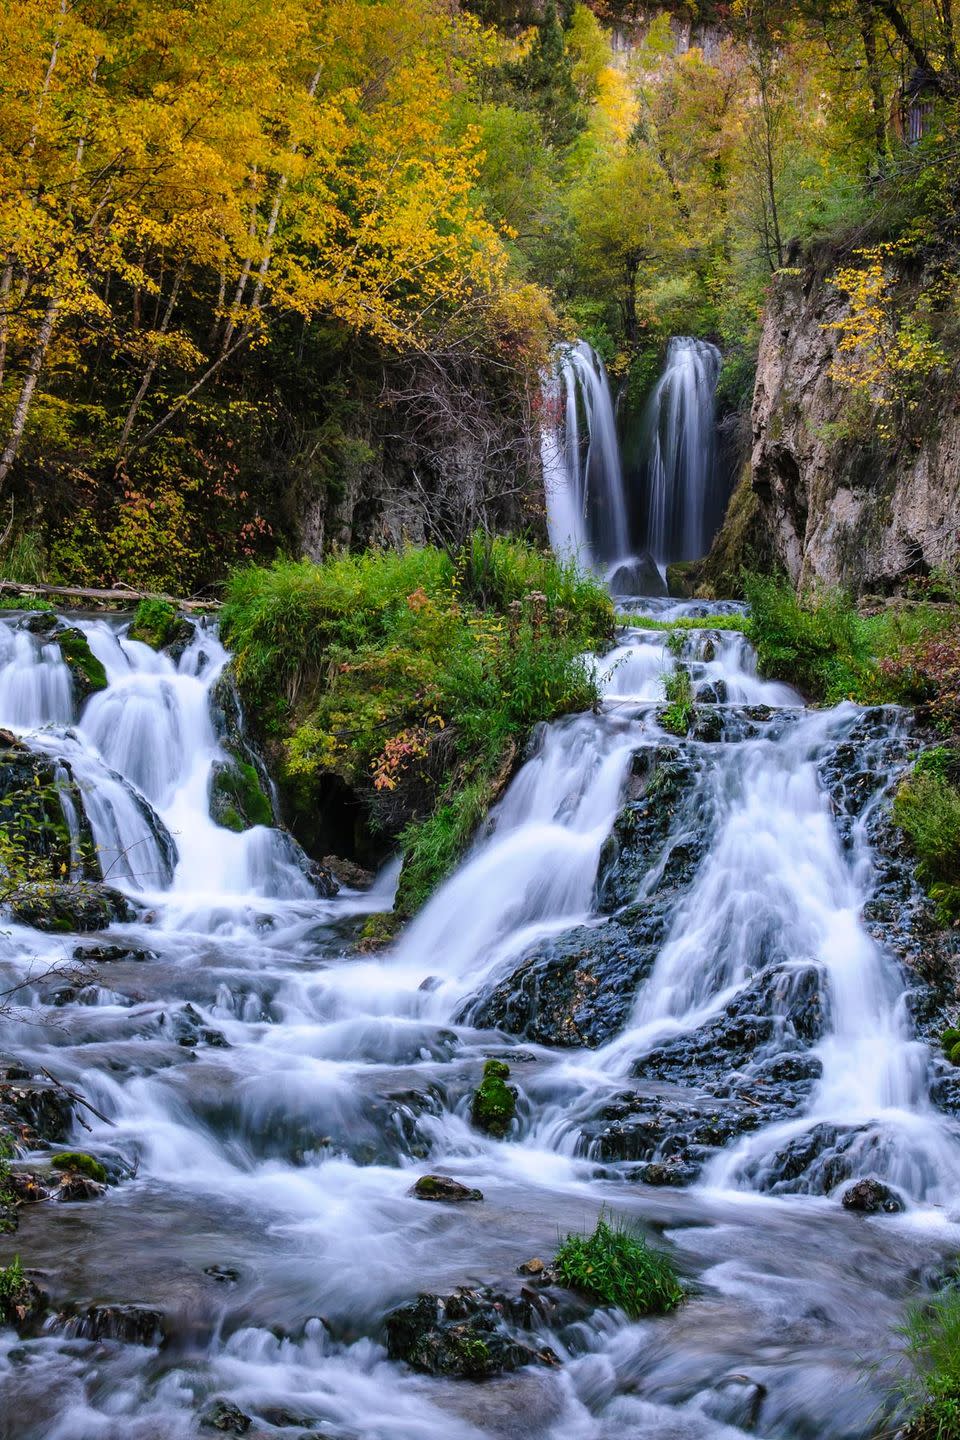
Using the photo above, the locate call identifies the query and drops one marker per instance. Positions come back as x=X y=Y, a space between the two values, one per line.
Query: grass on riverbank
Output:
x=411 y=679
x=931 y=1390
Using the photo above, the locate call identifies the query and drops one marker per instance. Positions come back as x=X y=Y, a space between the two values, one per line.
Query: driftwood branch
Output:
x=120 y=595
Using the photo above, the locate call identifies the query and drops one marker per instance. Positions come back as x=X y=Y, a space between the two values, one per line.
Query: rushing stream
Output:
x=268 y=1094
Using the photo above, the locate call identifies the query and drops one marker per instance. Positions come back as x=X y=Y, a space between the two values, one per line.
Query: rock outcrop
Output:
x=838 y=504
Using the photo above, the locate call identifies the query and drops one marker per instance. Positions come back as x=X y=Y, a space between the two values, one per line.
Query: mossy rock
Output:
x=159 y=625
x=379 y=930
x=86 y=670
x=237 y=798
x=22 y=1303
x=950 y=1038
x=79 y=1163
x=69 y=909
x=494 y=1101
x=955 y=1054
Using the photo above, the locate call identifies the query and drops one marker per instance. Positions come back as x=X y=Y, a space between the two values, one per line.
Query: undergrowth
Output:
x=617 y=1267
x=931 y=1389
x=927 y=808
x=411 y=677
x=679 y=711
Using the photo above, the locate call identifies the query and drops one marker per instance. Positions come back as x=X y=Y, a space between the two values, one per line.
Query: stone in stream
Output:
x=466 y=1335
x=226 y=1418
x=69 y=908
x=22 y=1303
x=444 y=1187
x=127 y=1324
x=872 y=1197
x=494 y=1101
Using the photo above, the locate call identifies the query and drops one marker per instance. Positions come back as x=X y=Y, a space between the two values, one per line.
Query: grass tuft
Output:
x=617 y=1267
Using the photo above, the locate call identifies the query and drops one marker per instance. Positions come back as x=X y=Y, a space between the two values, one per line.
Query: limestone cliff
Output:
x=835 y=504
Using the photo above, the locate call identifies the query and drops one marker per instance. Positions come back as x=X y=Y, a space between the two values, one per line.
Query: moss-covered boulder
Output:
x=66 y=909
x=159 y=625
x=34 y=791
x=494 y=1101
x=464 y=1335
x=80 y=1163
x=444 y=1188
x=86 y=671
x=238 y=800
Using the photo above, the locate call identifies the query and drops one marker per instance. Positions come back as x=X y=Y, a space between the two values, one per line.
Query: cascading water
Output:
x=682 y=491
x=583 y=476
x=669 y=933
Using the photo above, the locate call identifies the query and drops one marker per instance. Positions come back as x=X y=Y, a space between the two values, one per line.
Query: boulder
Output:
x=443 y=1187
x=466 y=1335
x=238 y=800
x=128 y=1324
x=225 y=1418
x=86 y=671
x=494 y=1102
x=872 y=1197
x=75 y=908
x=22 y=1303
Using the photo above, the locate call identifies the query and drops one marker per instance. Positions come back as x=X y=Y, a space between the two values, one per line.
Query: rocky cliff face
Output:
x=835 y=504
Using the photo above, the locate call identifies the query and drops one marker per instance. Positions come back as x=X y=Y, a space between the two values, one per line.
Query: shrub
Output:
x=927 y=808
x=679 y=711
x=617 y=1267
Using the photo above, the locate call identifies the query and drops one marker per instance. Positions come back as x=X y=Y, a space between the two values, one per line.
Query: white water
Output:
x=583 y=476
x=283 y=1154
x=682 y=498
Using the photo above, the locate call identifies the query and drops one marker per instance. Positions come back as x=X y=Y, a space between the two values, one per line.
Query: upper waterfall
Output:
x=582 y=470
x=682 y=492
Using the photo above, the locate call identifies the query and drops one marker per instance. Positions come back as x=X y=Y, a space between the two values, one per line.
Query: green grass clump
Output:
x=619 y=1268
x=927 y=808
x=25 y=602
x=412 y=677
x=680 y=709
x=930 y=1392
x=692 y=622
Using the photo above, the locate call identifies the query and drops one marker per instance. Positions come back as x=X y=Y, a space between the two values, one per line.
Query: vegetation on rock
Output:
x=88 y=672
x=237 y=798
x=78 y=1162
x=930 y=1392
x=617 y=1267
x=494 y=1102
x=927 y=808
x=679 y=710
x=156 y=623
x=408 y=680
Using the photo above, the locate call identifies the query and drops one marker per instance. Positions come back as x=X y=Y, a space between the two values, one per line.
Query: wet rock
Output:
x=494 y=1102
x=223 y=1274
x=70 y=908
x=467 y=1335
x=708 y=725
x=661 y=794
x=872 y=1197
x=127 y=1324
x=674 y=1172
x=22 y=1303
x=348 y=872
x=35 y=1112
x=575 y=989
x=34 y=788
x=74 y=1187
x=443 y=1187
x=225 y=1418
x=111 y=954
x=187 y=1027
x=677 y=1132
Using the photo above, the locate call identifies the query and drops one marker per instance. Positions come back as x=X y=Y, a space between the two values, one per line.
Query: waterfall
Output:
x=683 y=496
x=583 y=474
x=266 y=1090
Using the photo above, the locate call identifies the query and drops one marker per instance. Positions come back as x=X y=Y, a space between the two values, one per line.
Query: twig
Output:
x=72 y=1095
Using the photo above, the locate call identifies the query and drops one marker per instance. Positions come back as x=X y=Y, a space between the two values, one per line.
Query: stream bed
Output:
x=691 y=953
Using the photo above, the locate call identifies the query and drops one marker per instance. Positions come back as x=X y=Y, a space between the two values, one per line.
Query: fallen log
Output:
x=124 y=594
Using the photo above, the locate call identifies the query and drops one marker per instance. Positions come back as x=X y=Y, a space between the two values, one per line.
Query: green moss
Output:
x=949 y=1038
x=494 y=1103
x=954 y=1054
x=86 y=669
x=80 y=1163
x=155 y=622
x=237 y=798
x=379 y=929
x=619 y=1268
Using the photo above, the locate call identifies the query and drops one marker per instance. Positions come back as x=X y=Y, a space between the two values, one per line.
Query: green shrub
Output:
x=927 y=808
x=617 y=1267
x=155 y=622
x=680 y=709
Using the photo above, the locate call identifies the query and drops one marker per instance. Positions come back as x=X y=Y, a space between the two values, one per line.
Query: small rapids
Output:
x=667 y=940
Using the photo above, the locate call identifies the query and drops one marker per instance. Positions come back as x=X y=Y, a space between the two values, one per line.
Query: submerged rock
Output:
x=466 y=1335
x=226 y=1418
x=443 y=1187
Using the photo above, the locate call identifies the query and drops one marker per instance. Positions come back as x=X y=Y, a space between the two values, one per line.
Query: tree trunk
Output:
x=18 y=424
x=868 y=34
x=151 y=365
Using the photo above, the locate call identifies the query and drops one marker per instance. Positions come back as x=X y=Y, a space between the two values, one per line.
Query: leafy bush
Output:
x=679 y=711
x=617 y=1267
x=927 y=808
